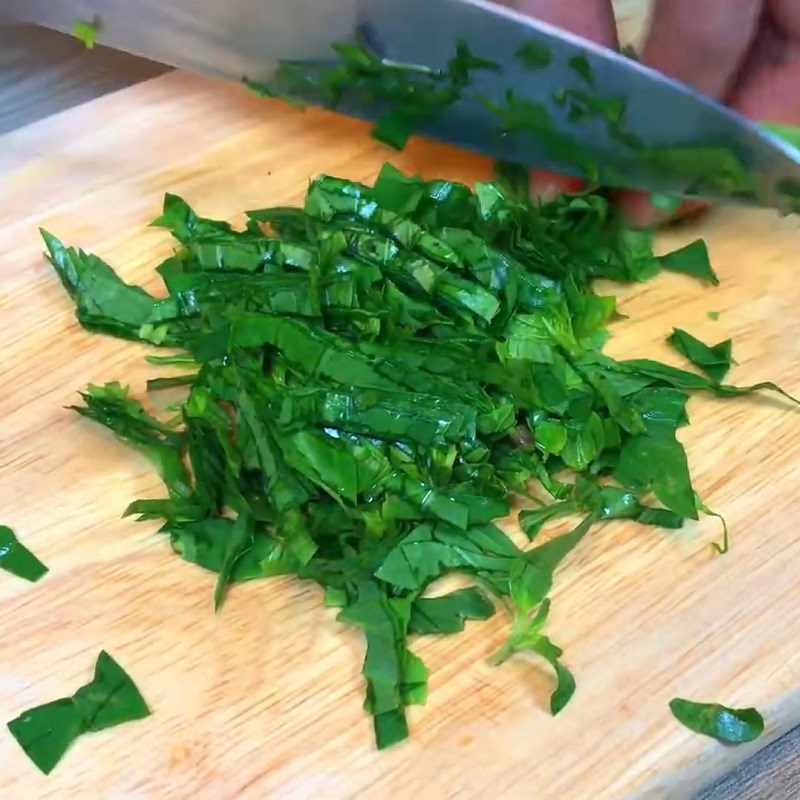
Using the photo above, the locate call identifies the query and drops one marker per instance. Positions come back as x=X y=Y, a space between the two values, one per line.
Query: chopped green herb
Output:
x=704 y=509
x=87 y=32
x=412 y=94
x=692 y=259
x=705 y=169
x=714 y=361
x=110 y=698
x=17 y=559
x=728 y=725
x=534 y=54
x=369 y=378
x=582 y=104
x=530 y=580
x=446 y=614
x=713 y=315
x=580 y=65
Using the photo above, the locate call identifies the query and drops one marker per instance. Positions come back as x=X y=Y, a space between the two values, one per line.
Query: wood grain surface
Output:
x=264 y=699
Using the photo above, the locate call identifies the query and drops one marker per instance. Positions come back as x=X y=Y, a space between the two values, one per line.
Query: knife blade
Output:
x=677 y=141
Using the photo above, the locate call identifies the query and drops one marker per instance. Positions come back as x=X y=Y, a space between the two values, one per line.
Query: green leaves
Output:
x=362 y=383
x=46 y=732
x=658 y=463
x=727 y=725
x=432 y=550
x=86 y=32
x=447 y=613
x=111 y=406
x=692 y=259
x=534 y=55
x=395 y=676
x=412 y=94
x=102 y=301
x=714 y=361
x=530 y=579
x=17 y=559
x=526 y=637
x=185 y=225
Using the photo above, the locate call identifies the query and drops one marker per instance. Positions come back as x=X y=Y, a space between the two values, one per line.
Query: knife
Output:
x=676 y=141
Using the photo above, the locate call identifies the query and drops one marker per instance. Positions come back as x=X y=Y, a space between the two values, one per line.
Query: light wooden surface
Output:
x=264 y=699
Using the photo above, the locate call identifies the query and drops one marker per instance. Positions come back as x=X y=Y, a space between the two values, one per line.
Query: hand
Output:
x=743 y=52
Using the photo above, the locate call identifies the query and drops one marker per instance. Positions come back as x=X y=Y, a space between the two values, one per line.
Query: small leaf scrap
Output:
x=17 y=559
x=714 y=360
x=110 y=698
x=692 y=259
x=728 y=725
x=87 y=32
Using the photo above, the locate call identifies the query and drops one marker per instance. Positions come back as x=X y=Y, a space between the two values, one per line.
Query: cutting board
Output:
x=263 y=699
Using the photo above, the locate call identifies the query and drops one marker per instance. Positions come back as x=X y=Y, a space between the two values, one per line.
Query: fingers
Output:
x=592 y=19
x=702 y=43
x=769 y=84
x=638 y=209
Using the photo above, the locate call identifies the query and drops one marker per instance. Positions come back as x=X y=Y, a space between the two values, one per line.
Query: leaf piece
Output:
x=110 y=698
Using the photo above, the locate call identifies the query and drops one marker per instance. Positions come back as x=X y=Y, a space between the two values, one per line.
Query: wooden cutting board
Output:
x=263 y=700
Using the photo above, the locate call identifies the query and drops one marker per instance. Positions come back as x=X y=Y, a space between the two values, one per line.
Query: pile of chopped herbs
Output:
x=371 y=378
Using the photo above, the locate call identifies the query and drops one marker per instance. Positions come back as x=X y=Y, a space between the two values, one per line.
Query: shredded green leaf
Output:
x=412 y=94
x=728 y=725
x=368 y=380
x=87 y=32
x=46 y=732
x=714 y=361
x=723 y=548
x=580 y=65
x=692 y=259
x=17 y=559
x=534 y=54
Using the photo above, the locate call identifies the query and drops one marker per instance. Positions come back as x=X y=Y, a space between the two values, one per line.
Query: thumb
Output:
x=704 y=45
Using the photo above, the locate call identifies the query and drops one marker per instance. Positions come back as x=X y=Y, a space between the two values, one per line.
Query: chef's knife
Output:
x=676 y=141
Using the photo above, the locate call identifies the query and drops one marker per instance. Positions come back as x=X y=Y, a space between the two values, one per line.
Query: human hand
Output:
x=743 y=52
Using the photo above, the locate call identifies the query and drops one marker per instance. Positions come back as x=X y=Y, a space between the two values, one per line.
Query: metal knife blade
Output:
x=682 y=138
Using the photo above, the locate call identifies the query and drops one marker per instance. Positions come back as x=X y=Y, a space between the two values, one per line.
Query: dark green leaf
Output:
x=531 y=520
x=240 y=540
x=105 y=303
x=178 y=217
x=534 y=54
x=395 y=677
x=371 y=376
x=531 y=576
x=728 y=725
x=110 y=698
x=580 y=65
x=692 y=259
x=526 y=637
x=658 y=463
x=714 y=361
x=446 y=614
x=17 y=559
